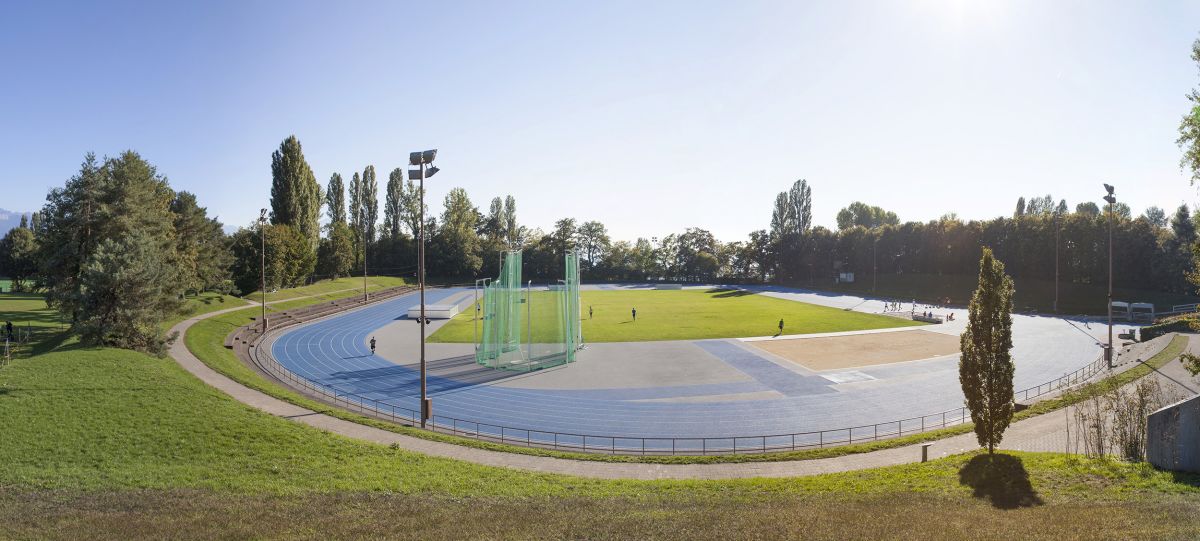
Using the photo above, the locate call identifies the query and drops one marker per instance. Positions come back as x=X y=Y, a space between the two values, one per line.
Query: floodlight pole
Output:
x=1112 y=201
x=262 y=234
x=363 y=218
x=421 y=284
x=874 y=268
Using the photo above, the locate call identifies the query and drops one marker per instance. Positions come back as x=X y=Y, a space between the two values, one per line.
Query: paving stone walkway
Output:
x=1038 y=433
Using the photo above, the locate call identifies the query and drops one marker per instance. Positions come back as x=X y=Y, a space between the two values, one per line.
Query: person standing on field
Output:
x=635 y=314
x=780 y=326
x=589 y=312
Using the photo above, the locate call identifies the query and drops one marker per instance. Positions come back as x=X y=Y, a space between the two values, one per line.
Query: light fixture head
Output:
x=418 y=158
x=432 y=170
x=1109 y=188
x=1110 y=199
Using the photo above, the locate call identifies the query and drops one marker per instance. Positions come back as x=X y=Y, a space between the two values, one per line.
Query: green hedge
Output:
x=1155 y=331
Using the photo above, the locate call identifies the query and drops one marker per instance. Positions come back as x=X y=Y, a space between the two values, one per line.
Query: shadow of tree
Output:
x=1000 y=479
x=721 y=293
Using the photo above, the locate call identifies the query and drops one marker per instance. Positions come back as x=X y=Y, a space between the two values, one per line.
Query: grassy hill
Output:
x=113 y=444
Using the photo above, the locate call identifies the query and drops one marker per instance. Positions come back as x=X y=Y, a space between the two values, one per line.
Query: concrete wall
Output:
x=1173 y=436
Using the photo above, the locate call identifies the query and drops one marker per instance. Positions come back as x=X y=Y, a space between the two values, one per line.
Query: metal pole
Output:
x=874 y=269
x=421 y=284
x=1108 y=353
x=1057 y=229
x=528 y=320
x=262 y=233
x=364 y=222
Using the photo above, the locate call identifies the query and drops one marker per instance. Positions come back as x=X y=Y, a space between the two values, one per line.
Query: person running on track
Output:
x=372 y=345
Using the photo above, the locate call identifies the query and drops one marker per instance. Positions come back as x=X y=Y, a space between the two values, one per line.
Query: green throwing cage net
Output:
x=522 y=327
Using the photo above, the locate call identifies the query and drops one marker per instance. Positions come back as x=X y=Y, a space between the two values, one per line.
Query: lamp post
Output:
x=262 y=234
x=422 y=159
x=874 y=267
x=1108 y=351
x=362 y=219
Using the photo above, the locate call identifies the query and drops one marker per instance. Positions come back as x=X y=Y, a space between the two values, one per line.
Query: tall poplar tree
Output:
x=295 y=194
x=370 y=201
x=985 y=368
x=335 y=200
x=354 y=213
x=392 y=209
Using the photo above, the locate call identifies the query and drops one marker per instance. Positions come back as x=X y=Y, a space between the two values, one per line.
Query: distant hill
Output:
x=9 y=219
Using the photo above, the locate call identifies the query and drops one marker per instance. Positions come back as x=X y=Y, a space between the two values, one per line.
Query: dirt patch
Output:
x=837 y=352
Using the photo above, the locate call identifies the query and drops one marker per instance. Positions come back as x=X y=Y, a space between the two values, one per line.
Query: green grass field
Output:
x=327 y=287
x=121 y=445
x=684 y=315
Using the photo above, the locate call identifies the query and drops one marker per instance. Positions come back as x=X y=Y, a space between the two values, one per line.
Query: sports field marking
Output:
x=858 y=350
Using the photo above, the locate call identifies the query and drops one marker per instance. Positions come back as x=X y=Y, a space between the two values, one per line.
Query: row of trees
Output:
x=116 y=248
x=1041 y=240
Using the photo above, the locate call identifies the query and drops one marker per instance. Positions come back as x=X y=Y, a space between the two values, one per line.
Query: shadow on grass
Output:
x=1000 y=479
x=718 y=293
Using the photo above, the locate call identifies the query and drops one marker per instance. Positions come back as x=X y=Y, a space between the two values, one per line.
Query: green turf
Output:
x=687 y=315
x=93 y=418
x=326 y=287
x=123 y=445
x=27 y=309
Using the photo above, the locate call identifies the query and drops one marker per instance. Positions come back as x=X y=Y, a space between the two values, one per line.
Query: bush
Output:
x=1179 y=325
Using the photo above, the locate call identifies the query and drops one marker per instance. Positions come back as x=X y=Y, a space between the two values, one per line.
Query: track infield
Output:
x=690 y=314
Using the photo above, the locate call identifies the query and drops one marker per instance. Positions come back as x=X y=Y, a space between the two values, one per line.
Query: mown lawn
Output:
x=325 y=287
x=683 y=315
x=108 y=440
x=121 y=445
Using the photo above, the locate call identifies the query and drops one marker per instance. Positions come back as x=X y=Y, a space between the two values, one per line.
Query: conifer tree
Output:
x=985 y=368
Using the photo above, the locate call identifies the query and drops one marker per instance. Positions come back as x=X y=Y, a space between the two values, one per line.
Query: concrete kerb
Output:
x=607 y=470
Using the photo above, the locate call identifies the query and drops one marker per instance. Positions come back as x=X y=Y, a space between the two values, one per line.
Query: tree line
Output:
x=116 y=249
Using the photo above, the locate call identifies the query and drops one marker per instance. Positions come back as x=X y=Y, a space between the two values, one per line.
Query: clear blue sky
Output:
x=651 y=117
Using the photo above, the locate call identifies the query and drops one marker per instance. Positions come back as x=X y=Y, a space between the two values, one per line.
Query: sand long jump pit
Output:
x=820 y=353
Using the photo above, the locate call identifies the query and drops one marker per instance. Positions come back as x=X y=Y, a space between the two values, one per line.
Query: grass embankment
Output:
x=683 y=315
x=328 y=287
x=1030 y=294
x=119 y=444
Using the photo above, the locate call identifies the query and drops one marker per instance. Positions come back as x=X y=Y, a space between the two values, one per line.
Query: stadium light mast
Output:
x=1112 y=201
x=424 y=160
x=262 y=234
x=362 y=218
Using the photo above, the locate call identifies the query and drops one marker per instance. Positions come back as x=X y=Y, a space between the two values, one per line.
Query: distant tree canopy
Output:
x=864 y=215
x=18 y=256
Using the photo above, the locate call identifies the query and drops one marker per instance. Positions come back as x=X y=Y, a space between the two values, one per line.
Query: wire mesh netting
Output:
x=527 y=328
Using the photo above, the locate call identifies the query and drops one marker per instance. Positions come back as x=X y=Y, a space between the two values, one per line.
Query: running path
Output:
x=606 y=470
